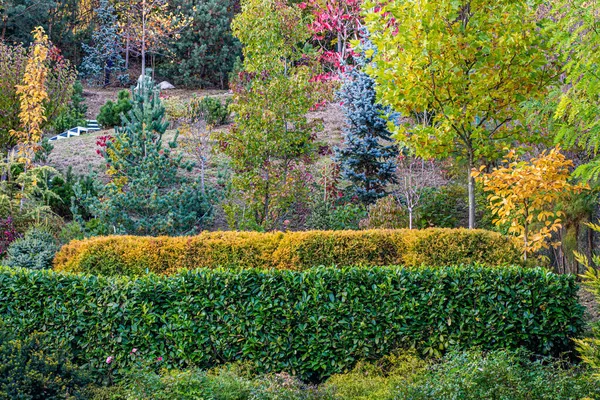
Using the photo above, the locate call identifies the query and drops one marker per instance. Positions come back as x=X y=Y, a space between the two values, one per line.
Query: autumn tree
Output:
x=32 y=95
x=271 y=138
x=148 y=25
x=58 y=85
x=467 y=65
x=523 y=195
x=335 y=23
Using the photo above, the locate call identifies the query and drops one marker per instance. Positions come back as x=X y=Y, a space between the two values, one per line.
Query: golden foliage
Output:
x=32 y=94
x=135 y=255
x=524 y=195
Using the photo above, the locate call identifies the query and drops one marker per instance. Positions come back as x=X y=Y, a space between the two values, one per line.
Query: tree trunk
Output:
x=410 y=218
x=471 y=187
x=202 y=173
x=144 y=38
x=525 y=235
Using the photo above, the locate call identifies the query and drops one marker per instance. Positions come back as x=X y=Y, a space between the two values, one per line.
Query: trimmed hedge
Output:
x=312 y=323
x=132 y=255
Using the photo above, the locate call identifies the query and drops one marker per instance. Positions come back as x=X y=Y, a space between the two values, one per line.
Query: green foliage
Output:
x=134 y=255
x=147 y=193
x=31 y=368
x=71 y=231
x=35 y=250
x=460 y=69
x=226 y=383
x=312 y=324
x=111 y=113
x=499 y=374
x=376 y=381
x=575 y=38
x=327 y=216
x=589 y=348
x=271 y=140
x=443 y=207
x=205 y=52
x=211 y=109
x=25 y=195
x=74 y=114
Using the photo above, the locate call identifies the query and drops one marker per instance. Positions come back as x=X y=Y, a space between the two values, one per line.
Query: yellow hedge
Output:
x=134 y=255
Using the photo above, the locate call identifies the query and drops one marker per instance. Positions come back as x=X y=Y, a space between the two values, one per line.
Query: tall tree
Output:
x=206 y=50
x=368 y=159
x=466 y=66
x=32 y=95
x=148 y=25
x=104 y=54
x=576 y=38
x=271 y=138
x=146 y=194
x=58 y=85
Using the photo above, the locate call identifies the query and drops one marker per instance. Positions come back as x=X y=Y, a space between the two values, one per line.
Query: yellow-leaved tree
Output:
x=32 y=95
x=523 y=195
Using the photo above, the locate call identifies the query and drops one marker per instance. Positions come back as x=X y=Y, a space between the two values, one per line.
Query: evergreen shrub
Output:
x=35 y=250
x=31 y=368
x=110 y=112
x=135 y=255
x=311 y=324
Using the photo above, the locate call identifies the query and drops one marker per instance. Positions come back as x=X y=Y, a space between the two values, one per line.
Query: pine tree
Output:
x=206 y=52
x=366 y=161
x=147 y=194
x=104 y=55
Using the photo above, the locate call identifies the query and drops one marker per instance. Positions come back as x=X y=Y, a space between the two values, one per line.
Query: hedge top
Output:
x=133 y=255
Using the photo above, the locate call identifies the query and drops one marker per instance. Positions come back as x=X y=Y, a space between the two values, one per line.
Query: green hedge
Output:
x=134 y=255
x=312 y=323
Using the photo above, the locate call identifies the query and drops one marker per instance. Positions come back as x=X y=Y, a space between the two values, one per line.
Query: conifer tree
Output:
x=104 y=55
x=368 y=159
x=147 y=194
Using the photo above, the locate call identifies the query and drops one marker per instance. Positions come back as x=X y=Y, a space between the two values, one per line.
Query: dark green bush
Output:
x=30 y=370
x=213 y=111
x=502 y=375
x=35 y=250
x=110 y=112
x=311 y=324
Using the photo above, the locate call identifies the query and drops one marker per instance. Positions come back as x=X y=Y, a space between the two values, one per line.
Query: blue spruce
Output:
x=368 y=159
x=103 y=56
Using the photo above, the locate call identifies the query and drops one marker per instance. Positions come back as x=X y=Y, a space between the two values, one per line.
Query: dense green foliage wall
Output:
x=134 y=255
x=312 y=323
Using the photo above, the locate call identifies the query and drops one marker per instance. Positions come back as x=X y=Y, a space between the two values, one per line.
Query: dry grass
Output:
x=96 y=97
x=80 y=152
